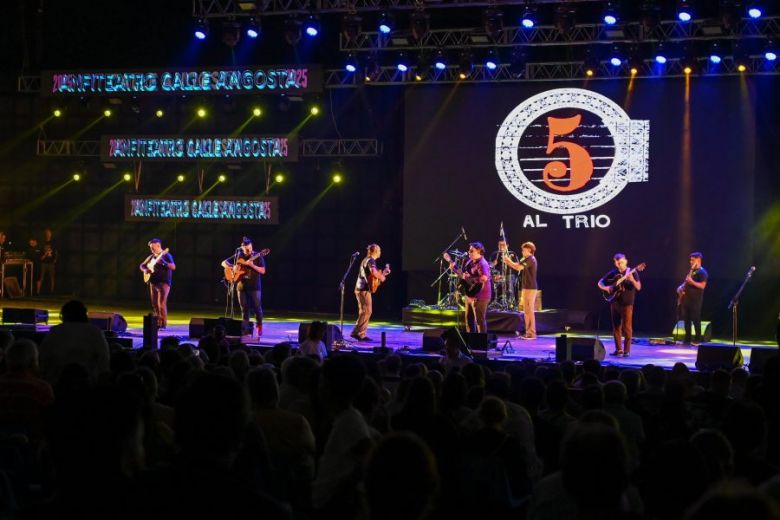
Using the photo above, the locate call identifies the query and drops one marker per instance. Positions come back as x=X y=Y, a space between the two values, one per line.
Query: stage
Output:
x=400 y=338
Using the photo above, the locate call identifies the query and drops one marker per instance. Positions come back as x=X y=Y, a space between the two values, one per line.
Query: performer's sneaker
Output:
x=259 y=329
x=626 y=354
x=365 y=338
x=695 y=344
x=617 y=353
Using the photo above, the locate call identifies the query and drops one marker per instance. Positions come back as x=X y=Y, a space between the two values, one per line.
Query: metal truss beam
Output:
x=549 y=35
x=308 y=148
x=28 y=84
x=245 y=8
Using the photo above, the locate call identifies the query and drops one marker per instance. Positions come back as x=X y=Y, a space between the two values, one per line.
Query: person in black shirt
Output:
x=160 y=266
x=622 y=307
x=251 y=265
x=529 y=288
x=691 y=295
x=48 y=260
x=366 y=272
x=503 y=276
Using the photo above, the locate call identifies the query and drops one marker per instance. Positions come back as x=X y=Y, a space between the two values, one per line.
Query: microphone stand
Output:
x=341 y=289
x=735 y=303
x=231 y=289
x=439 y=258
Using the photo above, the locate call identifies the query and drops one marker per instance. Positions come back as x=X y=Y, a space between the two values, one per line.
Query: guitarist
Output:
x=478 y=270
x=691 y=295
x=622 y=307
x=248 y=283
x=160 y=267
x=367 y=271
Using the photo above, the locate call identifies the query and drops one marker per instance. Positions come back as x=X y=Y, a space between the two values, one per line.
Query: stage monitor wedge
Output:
x=20 y=315
x=568 y=348
x=714 y=357
x=706 y=331
x=108 y=321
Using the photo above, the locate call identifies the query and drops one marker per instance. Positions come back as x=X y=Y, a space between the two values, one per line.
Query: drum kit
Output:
x=502 y=279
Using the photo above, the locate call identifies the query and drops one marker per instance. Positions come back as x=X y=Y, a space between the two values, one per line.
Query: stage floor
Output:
x=278 y=328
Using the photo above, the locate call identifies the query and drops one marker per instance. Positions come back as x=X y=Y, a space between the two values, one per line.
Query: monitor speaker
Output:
x=568 y=348
x=706 y=330
x=16 y=315
x=713 y=357
x=108 y=321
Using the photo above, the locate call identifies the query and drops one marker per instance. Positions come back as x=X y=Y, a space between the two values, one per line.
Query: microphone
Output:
x=751 y=270
x=356 y=253
x=462 y=230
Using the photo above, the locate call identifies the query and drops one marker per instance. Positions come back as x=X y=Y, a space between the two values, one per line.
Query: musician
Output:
x=502 y=273
x=529 y=288
x=249 y=283
x=691 y=295
x=160 y=281
x=48 y=261
x=366 y=271
x=622 y=307
x=476 y=269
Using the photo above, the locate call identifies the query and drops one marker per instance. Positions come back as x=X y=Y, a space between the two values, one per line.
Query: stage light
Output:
x=107 y=112
x=770 y=52
x=312 y=26
x=351 y=26
x=351 y=63
x=337 y=178
x=741 y=67
x=222 y=177
x=201 y=29
x=57 y=112
x=440 y=61
x=634 y=71
x=589 y=72
x=687 y=70
x=127 y=177
x=610 y=14
x=493 y=23
x=616 y=61
x=292 y=30
x=402 y=64
x=180 y=178
x=754 y=10
x=684 y=11
x=202 y=112
x=252 y=28
x=660 y=59
x=279 y=178
x=491 y=60
x=465 y=64
x=385 y=24
x=528 y=21
x=76 y=177
x=616 y=56
x=420 y=23
x=314 y=110
x=159 y=112
x=257 y=111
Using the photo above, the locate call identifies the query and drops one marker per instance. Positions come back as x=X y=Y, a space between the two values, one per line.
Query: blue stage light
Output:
x=491 y=60
x=402 y=64
x=529 y=18
x=660 y=59
x=440 y=62
x=770 y=52
x=715 y=58
x=610 y=19
x=312 y=26
x=615 y=61
x=684 y=11
x=385 y=24
x=351 y=64
x=754 y=12
x=252 y=28
x=201 y=30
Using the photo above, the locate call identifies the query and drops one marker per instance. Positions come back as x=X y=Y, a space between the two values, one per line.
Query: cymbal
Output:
x=455 y=252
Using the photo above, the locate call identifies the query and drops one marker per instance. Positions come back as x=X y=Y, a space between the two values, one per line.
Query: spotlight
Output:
x=616 y=58
x=684 y=11
x=292 y=30
x=440 y=61
x=402 y=64
x=770 y=53
x=312 y=26
x=76 y=177
x=421 y=23
x=202 y=113
x=257 y=111
x=610 y=14
x=107 y=112
x=351 y=64
x=252 y=28
x=715 y=54
x=660 y=54
x=660 y=59
x=180 y=178
x=222 y=177
x=351 y=26
x=741 y=67
x=491 y=60
x=754 y=10
x=314 y=110
x=279 y=178
x=528 y=21
x=337 y=178
x=201 y=29
x=385 y=24
x=159 y=112
x=589 y=72
x=57 y=112
x=634 y=71
x=687 y=69
x=494 y=23
x=127 y=177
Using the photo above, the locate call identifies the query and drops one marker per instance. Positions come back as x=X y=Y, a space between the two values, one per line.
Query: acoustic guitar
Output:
x=618 y=288
x=234 y=274
x=374 y=282
x=467 y=286
x=151 y=265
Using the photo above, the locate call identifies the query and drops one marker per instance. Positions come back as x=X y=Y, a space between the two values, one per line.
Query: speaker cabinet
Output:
x=332 y=333
x=706 y=331
x=713 y=357
x=108 y=321
x=569 y=348
x=759 y=357
x=200 y=327
x=15 y=315
x=480 y=340
x=433 y=340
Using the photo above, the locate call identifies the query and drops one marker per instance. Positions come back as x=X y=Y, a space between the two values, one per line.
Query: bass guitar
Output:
x=374 y=281
x=681 y=289
x=234 y=274
x=617 y=288
x=467 y=286
x=152 y=263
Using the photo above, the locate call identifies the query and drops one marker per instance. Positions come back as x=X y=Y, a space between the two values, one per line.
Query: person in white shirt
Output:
x=314 y=344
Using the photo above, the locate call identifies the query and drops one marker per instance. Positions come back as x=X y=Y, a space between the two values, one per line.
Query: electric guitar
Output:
x=468 y=286
x=234 y=274
x=152 y=263
x=617 y=288
x=374 y=282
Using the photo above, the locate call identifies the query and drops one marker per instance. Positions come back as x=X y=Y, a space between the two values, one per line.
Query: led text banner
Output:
x=199 y=148
x=239 y=80
x=228 y=210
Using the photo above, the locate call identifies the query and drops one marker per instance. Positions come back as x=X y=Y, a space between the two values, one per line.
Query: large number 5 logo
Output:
x=581 y=169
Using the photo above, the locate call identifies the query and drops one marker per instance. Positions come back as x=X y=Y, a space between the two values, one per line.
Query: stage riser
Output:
x=547 y=322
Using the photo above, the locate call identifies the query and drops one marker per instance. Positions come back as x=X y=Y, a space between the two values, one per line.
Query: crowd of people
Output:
x=90 y=429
